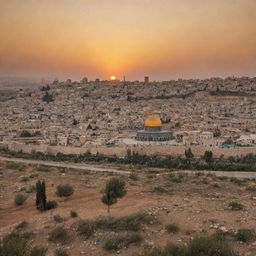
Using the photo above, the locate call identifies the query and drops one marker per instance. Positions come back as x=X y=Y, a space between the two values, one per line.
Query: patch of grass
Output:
x=237 y=181
x=58 y=218
x=59 y=235
x=73 y=214
x=33 y=175
x=234 y=206
x=172 y=228
x=222 y=177
x=64 y=190
x=86 y=228
x=39 y=251
x=246 y=235
x=16 y=166
x=61 y=252
x=116 y=243
x=19 y=199
x=159 y=190
x=43 y=169
x=22 y=225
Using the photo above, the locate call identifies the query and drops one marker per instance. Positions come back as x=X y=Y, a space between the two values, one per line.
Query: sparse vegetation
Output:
x=19 y=199
x=39 y=251
x=64 y=190
x=16 y=166
x=246 y=235
x=59 y=235
x=116 y=243
x=73 y=214
x=235 y=206
x=172 y=228
x=61 y=252
x=22 y=225
x=58 y=218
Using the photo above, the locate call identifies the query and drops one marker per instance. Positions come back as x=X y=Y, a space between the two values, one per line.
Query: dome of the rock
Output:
x=153 y=121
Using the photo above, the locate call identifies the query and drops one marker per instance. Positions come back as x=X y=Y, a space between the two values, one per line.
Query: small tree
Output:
x=41 y=203
x=115 y=188
x=189 y=154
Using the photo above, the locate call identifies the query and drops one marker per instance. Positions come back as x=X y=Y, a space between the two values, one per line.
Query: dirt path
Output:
x=64 y=165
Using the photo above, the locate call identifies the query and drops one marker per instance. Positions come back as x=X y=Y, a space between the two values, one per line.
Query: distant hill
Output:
x=18 y=82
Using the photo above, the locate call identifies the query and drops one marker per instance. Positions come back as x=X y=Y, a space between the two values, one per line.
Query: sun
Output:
x=112 y=78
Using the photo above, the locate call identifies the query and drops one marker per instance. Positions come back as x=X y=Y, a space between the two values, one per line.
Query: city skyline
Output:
x=163 y=39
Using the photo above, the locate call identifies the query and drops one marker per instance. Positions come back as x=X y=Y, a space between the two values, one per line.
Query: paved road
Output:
x=86 y=167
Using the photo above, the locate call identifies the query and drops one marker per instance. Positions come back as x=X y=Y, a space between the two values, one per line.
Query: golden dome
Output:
x=153 y=121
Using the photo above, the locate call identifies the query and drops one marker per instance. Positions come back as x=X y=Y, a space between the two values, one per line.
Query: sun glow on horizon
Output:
x=113 y=78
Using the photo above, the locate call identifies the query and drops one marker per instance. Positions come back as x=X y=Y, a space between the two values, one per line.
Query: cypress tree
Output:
x=40 y=196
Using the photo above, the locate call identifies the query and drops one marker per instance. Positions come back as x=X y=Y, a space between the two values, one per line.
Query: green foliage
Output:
x=24 y=179
x=246 y=235
x=172 y=228
x=33 y=175
x=116 y=243
x=208 y=156
x=39 y=251
x=61 y=252
x=86 y=228
x=235 y=206
x=189 y=154
x=26 y=134
x=73 y=214
x=64 y=190
x=43 y=169
x=115 y=188
x=19 y=199
x=40 y=196
x=59 y=235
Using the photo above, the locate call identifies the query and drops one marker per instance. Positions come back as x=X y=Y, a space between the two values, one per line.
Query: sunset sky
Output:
x=165 y=39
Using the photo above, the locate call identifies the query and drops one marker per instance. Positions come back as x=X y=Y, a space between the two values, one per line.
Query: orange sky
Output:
x=164 y=39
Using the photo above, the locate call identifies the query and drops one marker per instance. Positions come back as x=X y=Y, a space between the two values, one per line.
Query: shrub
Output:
x=61 y=252
x=33 y=175
x=159 y=190
x=59 y=235
x=73 y=214
x=245 y=235
x=31 y=189
x=64 y=190
x=43 y=169
x=38 y=251
x=86 y=228
x=19 y=199
x=27 y=235
x=58 y=218
x=235 y=206
x=172 y=228
x=24 y=179
x=51 y=205
x=22 y=225
x=14 y=244
x=16 y=166
x=116 y=243
x=176 y=250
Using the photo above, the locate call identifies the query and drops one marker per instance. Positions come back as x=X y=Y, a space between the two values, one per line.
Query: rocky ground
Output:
x=197 y=204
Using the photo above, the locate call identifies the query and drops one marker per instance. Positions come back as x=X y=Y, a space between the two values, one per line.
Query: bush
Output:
x=14 y=244
x=172 y=228
x=59 y=235
x=116 y=243
x=86 y=228
x=24 y=179
x=234 y=206
x=51 y=205
x=176 y=250
x=73 y=214
x=22 y=225
x=245 y=235
x=61 y=252
x=58 y=218
x=33 y=175
x=19 y=199
x=38 y=251
x=16 y=166
x=64 y=190
x=159 y=190
x=43 y=169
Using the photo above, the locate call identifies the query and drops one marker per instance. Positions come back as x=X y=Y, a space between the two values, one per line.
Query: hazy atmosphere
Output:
x=166 y=38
